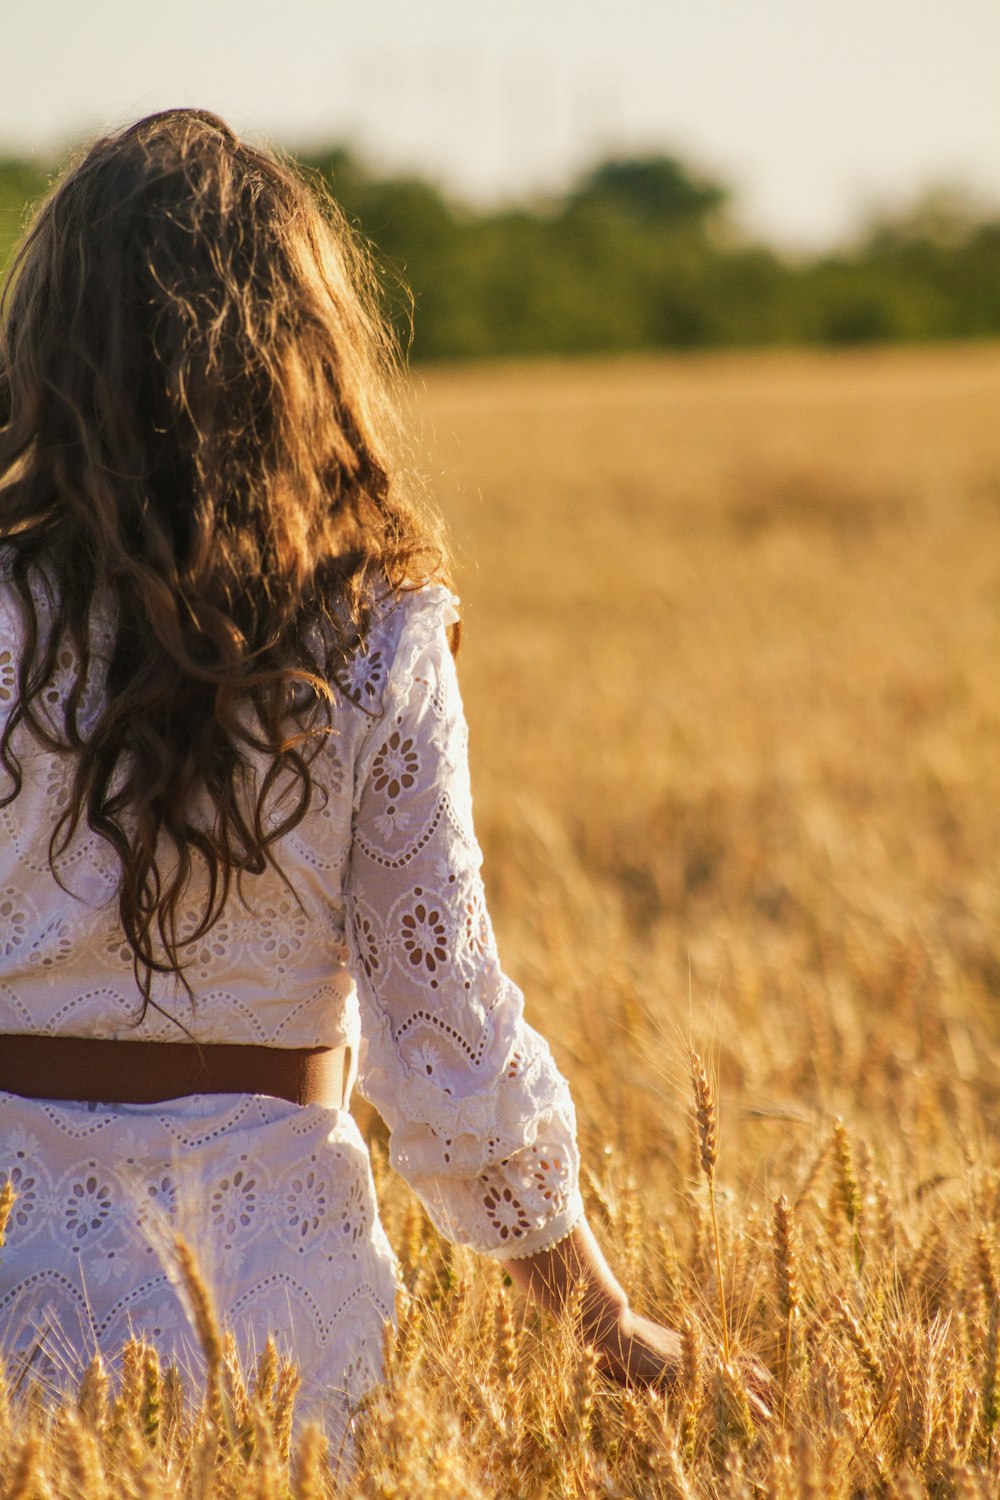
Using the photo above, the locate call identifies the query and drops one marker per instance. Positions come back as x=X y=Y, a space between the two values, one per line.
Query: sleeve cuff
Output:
x=546 y=1238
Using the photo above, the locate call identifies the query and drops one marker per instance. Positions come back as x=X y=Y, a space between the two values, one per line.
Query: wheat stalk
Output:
x=787 y=1283
x=708 y=1141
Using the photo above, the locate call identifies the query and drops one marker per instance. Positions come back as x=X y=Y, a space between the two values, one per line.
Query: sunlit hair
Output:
x=196 y=423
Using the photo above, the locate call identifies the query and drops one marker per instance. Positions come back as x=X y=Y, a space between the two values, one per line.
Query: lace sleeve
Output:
x=481 y=1122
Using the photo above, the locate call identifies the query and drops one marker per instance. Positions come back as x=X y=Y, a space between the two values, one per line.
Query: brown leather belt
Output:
x=121 y=1072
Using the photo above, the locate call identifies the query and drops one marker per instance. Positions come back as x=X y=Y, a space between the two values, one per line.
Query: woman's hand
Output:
x=637 y=1351
x=630 y=1348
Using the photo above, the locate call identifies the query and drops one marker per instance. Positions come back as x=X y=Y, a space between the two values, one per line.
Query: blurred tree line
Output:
x=638 y=254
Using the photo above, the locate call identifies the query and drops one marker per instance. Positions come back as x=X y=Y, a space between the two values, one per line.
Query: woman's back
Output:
x=64 y=967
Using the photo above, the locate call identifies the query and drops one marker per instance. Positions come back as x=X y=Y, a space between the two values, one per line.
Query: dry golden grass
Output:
x=731 y=667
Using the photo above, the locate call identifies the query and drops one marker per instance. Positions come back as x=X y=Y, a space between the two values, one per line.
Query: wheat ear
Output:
x=708 y=1142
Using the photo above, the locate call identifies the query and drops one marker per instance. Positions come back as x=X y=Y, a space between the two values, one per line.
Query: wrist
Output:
x=604 y=1317
x=574 y=1273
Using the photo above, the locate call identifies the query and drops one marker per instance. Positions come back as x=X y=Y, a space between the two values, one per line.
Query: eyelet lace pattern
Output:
x=386 y=945
x=482 y=1124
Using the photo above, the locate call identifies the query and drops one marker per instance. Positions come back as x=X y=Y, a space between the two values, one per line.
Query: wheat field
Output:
x=731 y=669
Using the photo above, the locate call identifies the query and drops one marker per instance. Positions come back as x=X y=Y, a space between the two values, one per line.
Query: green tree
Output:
x=21 y=184
x=656 y=191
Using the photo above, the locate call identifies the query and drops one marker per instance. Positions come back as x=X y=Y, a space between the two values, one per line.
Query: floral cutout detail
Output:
x=161 y=1192
x=424 y=935
x=330 y=779
x=355 y=1214
x=8 y=675
x=59 y=780
x=505 y=1212
x=115 y=948
x=88 y=1206
x=306 y=1203
x=367 y=944
x=214 y=950
x=364 y=677
x=394 y=773
x=477 y=930
x=549 y=1171
x=234 y=1212
x=396 y=766
x=53 y=945
x=280 y=930
x=15 y=919
x=23 y=1178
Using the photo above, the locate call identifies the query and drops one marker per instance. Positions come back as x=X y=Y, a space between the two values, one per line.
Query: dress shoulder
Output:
x=404 y=624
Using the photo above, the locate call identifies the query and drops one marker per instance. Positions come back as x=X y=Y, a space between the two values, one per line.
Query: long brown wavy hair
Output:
x=197 y=413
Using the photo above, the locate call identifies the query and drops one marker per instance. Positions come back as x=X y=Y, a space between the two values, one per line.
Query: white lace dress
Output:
x=386 y=946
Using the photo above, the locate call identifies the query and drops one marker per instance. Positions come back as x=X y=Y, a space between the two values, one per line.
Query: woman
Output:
x=237 y=868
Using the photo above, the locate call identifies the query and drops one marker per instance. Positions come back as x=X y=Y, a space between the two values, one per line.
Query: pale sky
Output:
x=812 y=110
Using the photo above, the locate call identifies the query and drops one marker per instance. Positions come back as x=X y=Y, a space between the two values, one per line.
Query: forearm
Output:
x=552 y=1277
x=629 y=1348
